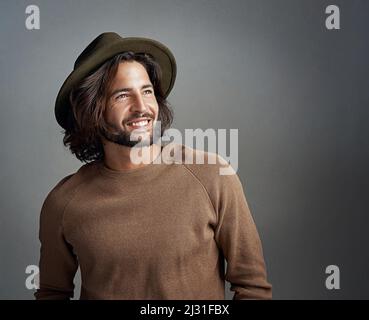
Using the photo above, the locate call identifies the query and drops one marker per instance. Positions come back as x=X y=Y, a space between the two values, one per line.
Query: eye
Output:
x=147 y=92
x=121 y=96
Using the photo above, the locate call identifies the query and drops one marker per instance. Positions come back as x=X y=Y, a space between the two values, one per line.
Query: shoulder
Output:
x=62 y=192
x=207 y=166
x=210 y=169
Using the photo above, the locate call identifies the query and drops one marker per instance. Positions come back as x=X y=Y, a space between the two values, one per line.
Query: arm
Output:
x=58 y=264
x=237 y=237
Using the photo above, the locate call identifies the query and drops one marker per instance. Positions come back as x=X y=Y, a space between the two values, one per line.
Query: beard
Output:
x=132 y=138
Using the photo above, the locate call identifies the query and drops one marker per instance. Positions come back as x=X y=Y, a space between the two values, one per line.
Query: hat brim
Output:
x=160 y=53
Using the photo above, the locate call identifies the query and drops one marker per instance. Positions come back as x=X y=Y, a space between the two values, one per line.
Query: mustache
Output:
x=140 y=115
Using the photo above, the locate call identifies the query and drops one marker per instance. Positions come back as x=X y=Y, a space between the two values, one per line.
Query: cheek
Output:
x=114 y=117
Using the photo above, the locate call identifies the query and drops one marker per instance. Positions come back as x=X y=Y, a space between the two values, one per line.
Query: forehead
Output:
x=130 y=71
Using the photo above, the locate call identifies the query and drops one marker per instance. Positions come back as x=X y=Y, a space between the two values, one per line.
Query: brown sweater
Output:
x=161 y=231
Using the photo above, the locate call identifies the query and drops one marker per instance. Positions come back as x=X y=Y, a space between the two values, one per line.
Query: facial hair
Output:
x=122 y=137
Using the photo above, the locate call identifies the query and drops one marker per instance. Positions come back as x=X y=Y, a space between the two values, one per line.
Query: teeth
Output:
x=139 y=124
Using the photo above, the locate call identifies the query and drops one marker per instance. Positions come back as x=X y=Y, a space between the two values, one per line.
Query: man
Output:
x=140 y=230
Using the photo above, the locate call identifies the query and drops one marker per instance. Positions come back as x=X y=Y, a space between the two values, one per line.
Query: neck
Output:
x=118 y=157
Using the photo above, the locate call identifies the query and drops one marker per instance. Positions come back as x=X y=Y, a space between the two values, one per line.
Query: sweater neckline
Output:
x=134 y=173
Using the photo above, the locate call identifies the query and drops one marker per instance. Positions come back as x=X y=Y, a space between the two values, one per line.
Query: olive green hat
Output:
x=101 y=49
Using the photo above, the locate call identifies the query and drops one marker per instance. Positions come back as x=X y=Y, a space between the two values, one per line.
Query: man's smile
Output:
x=139 y=123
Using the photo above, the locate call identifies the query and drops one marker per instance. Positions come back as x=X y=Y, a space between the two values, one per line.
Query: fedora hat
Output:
x=101 y=49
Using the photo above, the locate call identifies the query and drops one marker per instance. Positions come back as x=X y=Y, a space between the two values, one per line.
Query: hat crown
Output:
x=99 y=42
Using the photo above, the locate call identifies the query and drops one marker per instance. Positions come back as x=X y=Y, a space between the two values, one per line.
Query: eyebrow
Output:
x=145 y=86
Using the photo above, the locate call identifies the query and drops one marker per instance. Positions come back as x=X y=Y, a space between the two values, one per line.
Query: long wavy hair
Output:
x=88 y=99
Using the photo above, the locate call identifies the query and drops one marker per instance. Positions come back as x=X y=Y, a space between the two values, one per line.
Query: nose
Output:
x=138 y=104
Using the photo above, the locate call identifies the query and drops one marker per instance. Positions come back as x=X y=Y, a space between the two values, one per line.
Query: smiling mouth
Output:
x=142 y=123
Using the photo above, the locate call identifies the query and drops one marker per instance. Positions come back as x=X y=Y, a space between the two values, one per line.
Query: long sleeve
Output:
x=57 y=264
x=237 y=237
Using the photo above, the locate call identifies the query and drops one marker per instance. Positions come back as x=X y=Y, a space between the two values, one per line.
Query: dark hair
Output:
x=88 y=100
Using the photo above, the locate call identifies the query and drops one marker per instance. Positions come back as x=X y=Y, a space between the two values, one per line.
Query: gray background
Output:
x=297 y=92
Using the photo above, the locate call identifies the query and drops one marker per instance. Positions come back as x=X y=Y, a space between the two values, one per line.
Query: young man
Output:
x=140 y=230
